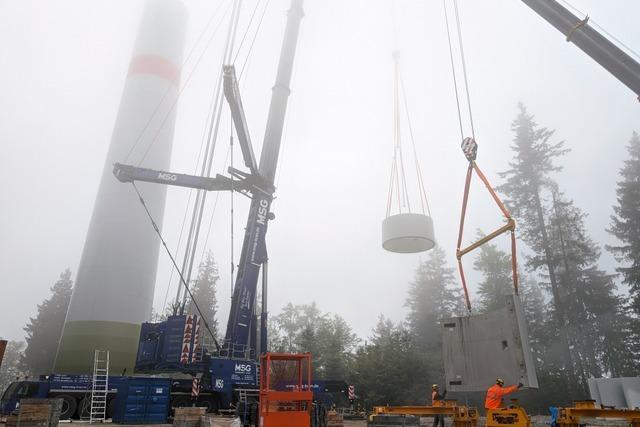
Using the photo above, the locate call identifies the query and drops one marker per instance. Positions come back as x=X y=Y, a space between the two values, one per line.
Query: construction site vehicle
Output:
x=74 y=390
x=176 y=348
x=291 y=408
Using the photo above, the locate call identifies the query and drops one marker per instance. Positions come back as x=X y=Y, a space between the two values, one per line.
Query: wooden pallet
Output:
x=220 y=421
x=37 y=413
x=188 y=416
x=334 y=420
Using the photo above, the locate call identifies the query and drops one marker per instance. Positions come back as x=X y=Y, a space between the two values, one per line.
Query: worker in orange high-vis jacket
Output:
x=496 y=392
x=437 y=399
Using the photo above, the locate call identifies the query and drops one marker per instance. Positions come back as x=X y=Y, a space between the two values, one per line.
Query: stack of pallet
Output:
x=334 y=419
x=220 y=421
x=188 y=416
x=12 y=420
x=36 y=413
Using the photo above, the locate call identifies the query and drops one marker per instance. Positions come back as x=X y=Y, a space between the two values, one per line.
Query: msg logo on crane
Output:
x=167 y=176
x=262 y=211
x=242 y=368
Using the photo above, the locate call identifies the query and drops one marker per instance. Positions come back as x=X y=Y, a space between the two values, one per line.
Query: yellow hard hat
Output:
x=500 y=381
x=434 y=386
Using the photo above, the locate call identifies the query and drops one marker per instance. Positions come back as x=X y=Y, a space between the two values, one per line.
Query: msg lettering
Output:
x=262 y=211
x=167 y=176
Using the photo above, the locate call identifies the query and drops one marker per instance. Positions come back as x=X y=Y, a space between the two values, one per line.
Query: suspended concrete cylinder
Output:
x=408 y=233
x=113 y=293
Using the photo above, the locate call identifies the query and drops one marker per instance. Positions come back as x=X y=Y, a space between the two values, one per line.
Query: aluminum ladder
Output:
x=99 y=386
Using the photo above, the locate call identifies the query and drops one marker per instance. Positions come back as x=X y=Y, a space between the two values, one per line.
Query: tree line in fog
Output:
x=583 y=321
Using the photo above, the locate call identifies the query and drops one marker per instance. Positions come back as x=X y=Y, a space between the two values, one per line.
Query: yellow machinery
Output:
x=573 y=417
x=462 y=415
x=513 y=416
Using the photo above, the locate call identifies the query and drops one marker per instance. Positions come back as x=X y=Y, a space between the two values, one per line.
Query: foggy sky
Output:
x=63 y=70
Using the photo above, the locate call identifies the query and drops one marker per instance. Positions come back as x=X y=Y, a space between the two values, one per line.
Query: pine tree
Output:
x=535 y=310
x=44 y=331
x=625 y=223
x=204 y=292
x=598 y=325
x=525 y=184
x=432 y=296
x=388 y=370
x=11 y=366
x=497 y=279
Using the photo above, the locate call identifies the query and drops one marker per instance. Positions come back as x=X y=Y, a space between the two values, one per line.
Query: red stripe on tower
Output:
x=156 y=66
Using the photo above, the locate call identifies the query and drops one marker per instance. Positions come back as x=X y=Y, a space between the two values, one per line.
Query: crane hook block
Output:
x=470 y=148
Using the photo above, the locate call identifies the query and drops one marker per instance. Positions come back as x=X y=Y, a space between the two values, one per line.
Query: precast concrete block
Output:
x=619 y=392
x=480 y=348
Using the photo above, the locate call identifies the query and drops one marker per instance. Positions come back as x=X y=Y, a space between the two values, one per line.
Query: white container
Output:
x=408 y=233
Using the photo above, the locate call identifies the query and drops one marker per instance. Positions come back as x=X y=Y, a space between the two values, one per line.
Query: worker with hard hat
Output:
x=496 y=392
x=436 y=400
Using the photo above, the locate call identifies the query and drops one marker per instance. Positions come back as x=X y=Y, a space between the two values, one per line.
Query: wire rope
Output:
x=246 y=32
x=212 y=138
x=421 y=188
x=453 y=69
x=184 y=283
x=231 y=218
x=464 y=67
x=255 y=35
x=180 y=92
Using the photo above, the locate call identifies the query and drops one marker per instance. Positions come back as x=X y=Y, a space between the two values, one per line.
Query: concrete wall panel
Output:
x=478 y=349
x=619 y=392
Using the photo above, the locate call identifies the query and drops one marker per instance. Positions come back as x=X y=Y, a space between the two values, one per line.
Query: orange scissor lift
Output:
x=290 y=408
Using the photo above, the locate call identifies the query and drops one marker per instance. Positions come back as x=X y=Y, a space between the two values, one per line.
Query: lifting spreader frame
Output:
x=470 y=149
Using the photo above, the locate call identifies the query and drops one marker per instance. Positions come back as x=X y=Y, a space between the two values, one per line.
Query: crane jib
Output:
x=254 y=254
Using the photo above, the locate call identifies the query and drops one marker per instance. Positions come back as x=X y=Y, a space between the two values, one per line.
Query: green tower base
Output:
x=81 y=338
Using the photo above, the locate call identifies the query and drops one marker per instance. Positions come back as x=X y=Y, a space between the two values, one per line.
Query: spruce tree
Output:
x=388 y=371
x=433 y=295
x=11 y=368
x=625 y=223
x=527 y=180
x=44 y=330
x=598 y=325
x=204 y=292
x=497 y=278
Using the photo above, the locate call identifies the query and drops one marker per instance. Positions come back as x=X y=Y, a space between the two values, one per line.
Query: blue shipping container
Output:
x=142 y=400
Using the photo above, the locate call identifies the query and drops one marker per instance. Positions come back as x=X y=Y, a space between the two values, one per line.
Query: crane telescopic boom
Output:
x=620 y=64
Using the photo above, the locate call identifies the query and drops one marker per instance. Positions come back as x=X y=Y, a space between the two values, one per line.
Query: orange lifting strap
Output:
x=470 y=149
